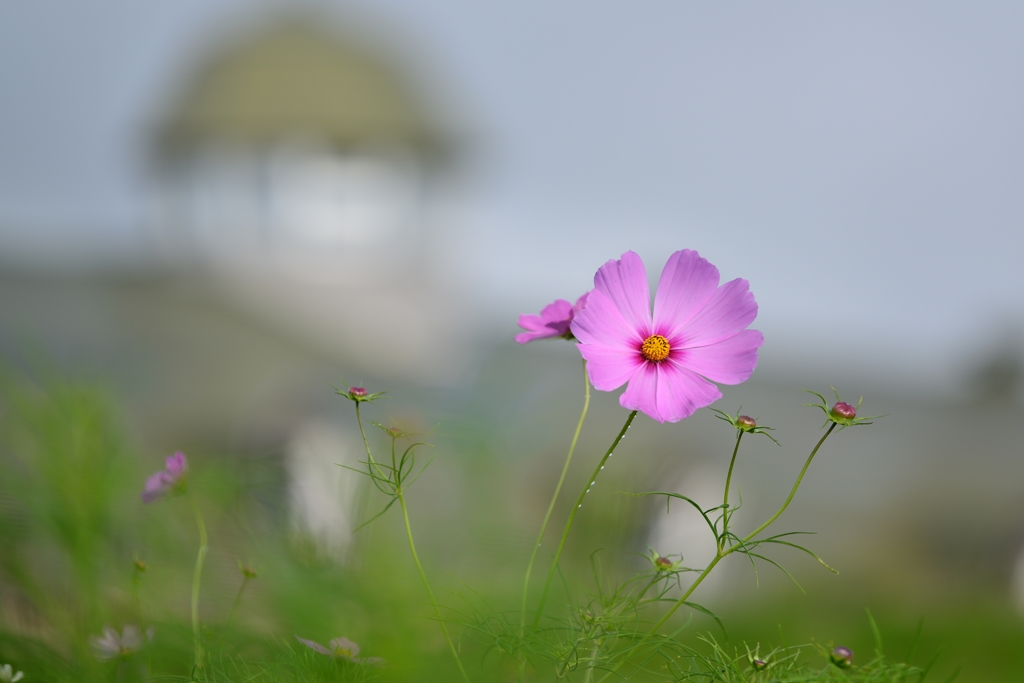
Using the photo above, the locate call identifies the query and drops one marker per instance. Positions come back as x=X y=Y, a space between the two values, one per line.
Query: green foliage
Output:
x=71 y=523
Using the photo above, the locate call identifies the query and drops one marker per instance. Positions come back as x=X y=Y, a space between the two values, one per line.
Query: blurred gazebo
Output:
x=295 y=146
x=298 y=172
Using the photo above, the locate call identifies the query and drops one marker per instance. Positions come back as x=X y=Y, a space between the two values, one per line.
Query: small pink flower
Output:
x=553 y=321
x=171 y=478
x=698 y=332
x=340 y=648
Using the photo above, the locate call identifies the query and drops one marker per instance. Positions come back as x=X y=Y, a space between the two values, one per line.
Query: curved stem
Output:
x=426 y=584
x=796 y=485
x=554 y=497
x=197 y=576
x=572 y=515
x=366 y=444
x=722 y=554
x=725 y=499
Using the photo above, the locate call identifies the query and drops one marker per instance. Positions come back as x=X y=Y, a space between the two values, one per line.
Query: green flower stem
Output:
x=554 y=497
x=234 y=605
x=135 y=596
x=366 y=443
x=589 y=676
x=796 y=485
x=725 y=498
x=197 y=576
x=572 y=515
x=426 y=584
x=412 y=546
x=722 y=554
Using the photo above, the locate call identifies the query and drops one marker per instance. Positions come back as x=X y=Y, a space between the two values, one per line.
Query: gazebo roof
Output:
x=296 y=78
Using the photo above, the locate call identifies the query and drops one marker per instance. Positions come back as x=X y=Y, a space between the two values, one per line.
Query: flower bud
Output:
x=140 y=566
x=844 y=410
x=663 y=563
x=842 y=656
x=758 y=664
x=357 y=392
x=745 y=422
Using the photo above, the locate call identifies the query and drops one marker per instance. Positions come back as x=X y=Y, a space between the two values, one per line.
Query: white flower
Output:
x=111 y=644
x=7 y=674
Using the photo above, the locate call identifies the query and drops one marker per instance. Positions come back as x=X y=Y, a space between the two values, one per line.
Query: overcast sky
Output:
x=862 y=164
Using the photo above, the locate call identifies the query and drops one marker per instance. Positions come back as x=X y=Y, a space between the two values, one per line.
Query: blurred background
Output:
x=211 y=212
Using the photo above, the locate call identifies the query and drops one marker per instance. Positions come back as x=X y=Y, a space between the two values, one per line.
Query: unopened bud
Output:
x=759 y=664
x=842 y=656
x=663 y=563
x=746 y=422
x=357 y=392
x=247 y=571
x=844 y=410
x=140 y=566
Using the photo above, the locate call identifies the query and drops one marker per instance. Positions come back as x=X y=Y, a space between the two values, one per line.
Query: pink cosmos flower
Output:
x=168 y=479
x=340 y=648
x=697 y=333
x=553 y=321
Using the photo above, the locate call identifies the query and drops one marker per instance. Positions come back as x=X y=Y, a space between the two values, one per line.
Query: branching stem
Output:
x=408 y=532
x=720 y=555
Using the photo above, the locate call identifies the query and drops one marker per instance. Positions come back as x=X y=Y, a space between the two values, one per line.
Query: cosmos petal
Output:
x=553 y=321
x=687 y=283
x=731 y=309
x=625 y=283
x=313 y=645
x=667 y=392
x=730 y=361
x=177 y=464
x=345 y=644
x=601 y=322
x=609 y=367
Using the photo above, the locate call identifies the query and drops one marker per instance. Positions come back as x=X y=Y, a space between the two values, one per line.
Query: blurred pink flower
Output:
x=341 y=648
x=553 y=321
x=171 y=478
x=112 y=644
x=697 y=333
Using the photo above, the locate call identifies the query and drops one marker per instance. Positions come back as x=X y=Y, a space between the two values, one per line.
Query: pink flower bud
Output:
x=356 y=392
x=746 y=422
x=842 y=656
x=663 y=563
x=844 y=410
x=759 y=664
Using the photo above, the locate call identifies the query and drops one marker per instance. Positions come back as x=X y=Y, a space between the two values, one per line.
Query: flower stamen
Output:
x=655 y=348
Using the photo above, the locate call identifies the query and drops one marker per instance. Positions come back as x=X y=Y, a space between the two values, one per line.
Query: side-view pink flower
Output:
x=553 y=321
x=698 y=332
x=168 y=479
x=340 y=648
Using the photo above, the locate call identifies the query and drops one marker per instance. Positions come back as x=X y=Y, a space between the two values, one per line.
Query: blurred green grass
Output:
x=71 y=522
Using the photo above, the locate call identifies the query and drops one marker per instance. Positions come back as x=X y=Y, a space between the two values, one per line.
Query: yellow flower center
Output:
x=655 y=348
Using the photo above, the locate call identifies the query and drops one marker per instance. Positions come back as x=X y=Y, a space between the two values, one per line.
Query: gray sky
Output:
x=862 y=164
